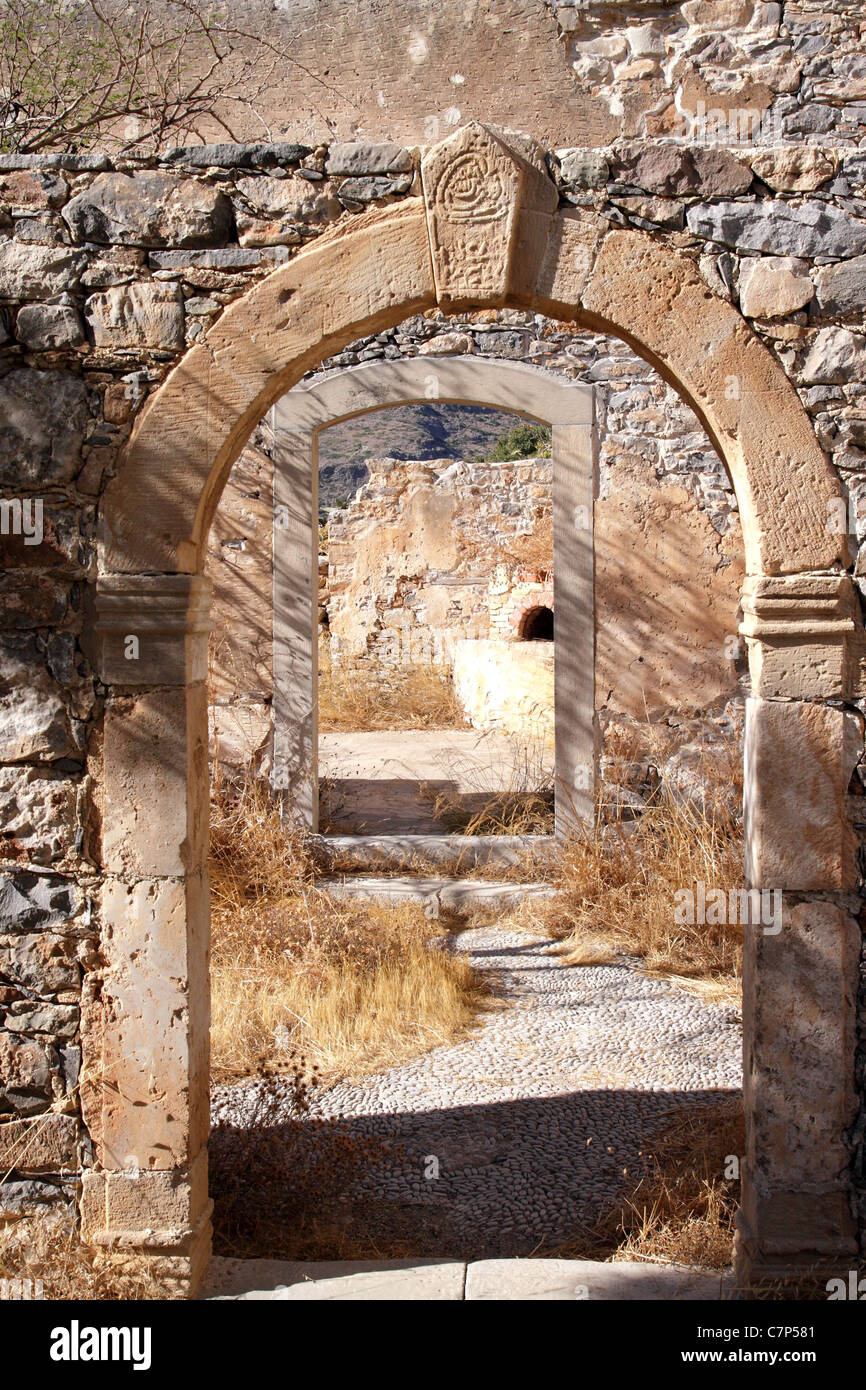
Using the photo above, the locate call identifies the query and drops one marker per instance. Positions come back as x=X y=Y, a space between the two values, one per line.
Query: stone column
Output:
x=296 y=656
x=799 y=971
x=573 y=455
x=146 y=1075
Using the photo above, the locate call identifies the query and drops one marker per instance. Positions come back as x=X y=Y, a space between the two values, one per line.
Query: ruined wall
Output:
x=574 y=72
x=107 y=273
x=427 y=554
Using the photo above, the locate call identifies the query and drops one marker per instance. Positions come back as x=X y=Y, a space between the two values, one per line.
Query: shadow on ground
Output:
x=471 y=1182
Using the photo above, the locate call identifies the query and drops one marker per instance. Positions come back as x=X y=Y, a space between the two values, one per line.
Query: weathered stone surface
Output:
x=40 y=902
x=669 y=170
x=42 y=327
x=61 y=545
x=149 y=208
x=352 y=159
x=774 y=286
x=841 y=289
x=156 y=1046
x=25 y=1073
x=583 y=168
x=226 y=258
x=293 y=200
x=42 y=964
x=836 y=354
x=143 y=315
x=33 y=718
x=230 y=156
x=26 y=191
x=153 y=758
x=799 y=990
x=37 y=272
x=37 y=815
x=157 y=1207
x=43 y=603
x=447 y=344
x=665 y=212
x=358 y=191
x=811 y=229
x=794 y=168
x=799 y=760
x=48 y=1146
x=44 y=416
x=32 y=1017
x=718 y=173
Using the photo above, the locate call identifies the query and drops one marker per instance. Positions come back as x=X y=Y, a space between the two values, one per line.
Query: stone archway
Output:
x=342 y=395
x=487 y=233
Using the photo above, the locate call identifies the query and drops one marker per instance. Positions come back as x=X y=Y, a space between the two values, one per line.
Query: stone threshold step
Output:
x=459 y=1281
x=366 y=852
x=458 y=894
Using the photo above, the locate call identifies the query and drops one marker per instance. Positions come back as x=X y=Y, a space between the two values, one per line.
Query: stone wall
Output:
x=574 y=72
x=428 y=554
x=108 y=271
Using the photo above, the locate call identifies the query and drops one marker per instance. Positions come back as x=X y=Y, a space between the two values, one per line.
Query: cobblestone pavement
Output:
x=528 y=1130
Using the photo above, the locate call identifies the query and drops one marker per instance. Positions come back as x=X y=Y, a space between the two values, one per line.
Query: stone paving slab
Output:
x=455 y=893
x=456 y=1281
x=590 y=1279
x=365 y=1280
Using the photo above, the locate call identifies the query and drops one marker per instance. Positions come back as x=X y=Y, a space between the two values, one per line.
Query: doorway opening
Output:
x=435 y=533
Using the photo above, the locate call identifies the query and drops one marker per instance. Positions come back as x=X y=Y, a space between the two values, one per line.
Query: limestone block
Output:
x=777 y=285
x=38 y=815
x=358 y=157
x=146 y=1048
x=37 y=272
x=792 y=669
x=293 y=200
x=836 y=355
x=841 y=289
x=149 y=208
x=156 y=756
x=143 y=315
x=810 y=229
x=42 y=963
x=152 y=629
x=44 y=416
x=146 y=1209
x=799 y=760
x=799 y=990
x=794 y=168
x=34 y=723
x=32 y=190
x=47 y=1145
x=43 y=327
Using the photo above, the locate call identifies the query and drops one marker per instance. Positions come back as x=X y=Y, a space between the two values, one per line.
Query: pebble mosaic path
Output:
x=529 y=1130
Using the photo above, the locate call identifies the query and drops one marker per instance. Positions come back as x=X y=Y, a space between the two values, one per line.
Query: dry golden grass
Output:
x=412 y=697
x=682 y=1211
x=49 y=1250
x=616 y=884
x=356 y=986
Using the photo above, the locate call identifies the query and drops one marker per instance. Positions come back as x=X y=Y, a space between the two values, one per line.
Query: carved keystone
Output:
x=489 y=215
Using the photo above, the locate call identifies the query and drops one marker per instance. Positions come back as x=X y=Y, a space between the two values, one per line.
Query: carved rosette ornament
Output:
x=489 y=215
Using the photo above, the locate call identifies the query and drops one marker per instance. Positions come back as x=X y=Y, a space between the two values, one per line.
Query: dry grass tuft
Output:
x=617 y=883
x=682 y=1211
x=412 y=697
x=49 y=1250
x=356 y=986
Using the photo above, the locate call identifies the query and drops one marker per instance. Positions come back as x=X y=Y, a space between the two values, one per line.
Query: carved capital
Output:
x=489 y=215
x=803 y=635
x=152 y=629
